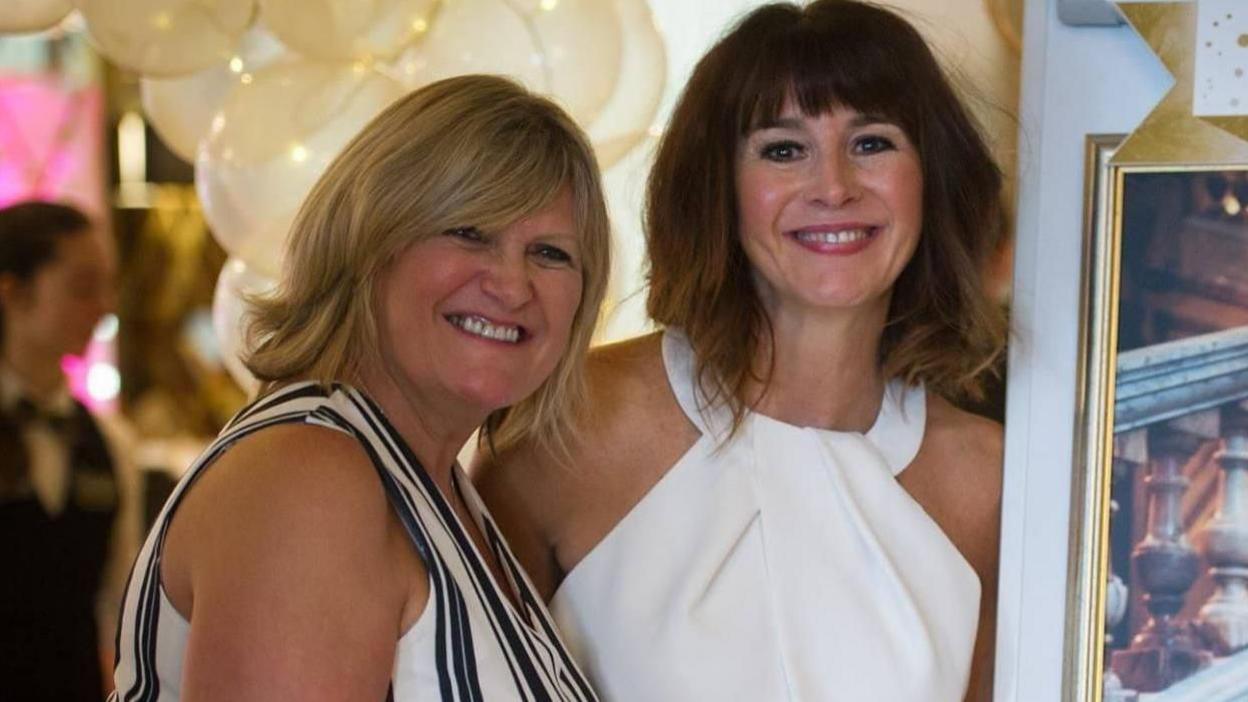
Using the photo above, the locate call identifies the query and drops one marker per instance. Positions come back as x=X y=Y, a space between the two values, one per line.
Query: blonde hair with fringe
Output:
x=469 y=150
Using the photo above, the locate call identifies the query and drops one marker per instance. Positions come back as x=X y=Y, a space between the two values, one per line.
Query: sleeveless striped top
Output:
x=469 y=644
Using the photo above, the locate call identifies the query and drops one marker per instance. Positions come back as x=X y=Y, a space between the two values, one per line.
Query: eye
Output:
x=552 y=254
x=781 y=150
x=873 y=144
x=466 y=233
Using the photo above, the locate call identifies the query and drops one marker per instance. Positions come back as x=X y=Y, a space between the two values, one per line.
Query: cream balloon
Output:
x=580 y=44
x=348 y=29
x=474 y=36
x=235 y=283
x=18 y=16
x=181 y=109
x=626 y=118
x=166 y=38
x=272 y=140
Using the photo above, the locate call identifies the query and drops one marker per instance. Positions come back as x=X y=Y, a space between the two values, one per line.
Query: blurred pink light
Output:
x=77 y=369
x=51 y=140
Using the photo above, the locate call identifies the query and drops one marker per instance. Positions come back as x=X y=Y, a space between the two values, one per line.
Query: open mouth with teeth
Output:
x=837 y=238
x=484 y=328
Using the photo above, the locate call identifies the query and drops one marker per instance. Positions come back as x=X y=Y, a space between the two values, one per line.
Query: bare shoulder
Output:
x=554 y=508
x=276 y=493
x=291 y=520
x=957 y=478
x=626 y=383
x=978 y=440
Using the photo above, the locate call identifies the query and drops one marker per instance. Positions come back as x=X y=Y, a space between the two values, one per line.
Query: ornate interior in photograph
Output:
x=1158 y=595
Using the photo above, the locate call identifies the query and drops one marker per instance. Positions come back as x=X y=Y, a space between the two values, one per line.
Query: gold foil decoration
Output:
x=1171 y=134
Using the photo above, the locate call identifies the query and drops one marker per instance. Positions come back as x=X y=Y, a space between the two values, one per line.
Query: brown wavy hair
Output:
x=471 y=149
x=942 y=329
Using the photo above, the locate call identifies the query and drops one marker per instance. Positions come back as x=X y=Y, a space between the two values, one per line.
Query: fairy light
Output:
x=106 y=330
x=132 y=148
x=103 y=381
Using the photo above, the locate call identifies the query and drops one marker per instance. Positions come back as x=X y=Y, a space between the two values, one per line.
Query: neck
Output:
x=39 y=371
x=433 y=429
x=825 y=369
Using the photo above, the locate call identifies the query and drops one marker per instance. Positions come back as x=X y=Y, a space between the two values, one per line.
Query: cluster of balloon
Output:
x=20 y=16
x=262 y=94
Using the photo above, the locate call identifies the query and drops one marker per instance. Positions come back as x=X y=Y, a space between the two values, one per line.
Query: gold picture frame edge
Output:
x=1093 y=422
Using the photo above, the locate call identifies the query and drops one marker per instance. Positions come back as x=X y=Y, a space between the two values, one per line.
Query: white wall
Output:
x=1076 y=81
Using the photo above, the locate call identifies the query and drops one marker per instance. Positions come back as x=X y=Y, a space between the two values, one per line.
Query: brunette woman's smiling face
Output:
x=830 y=208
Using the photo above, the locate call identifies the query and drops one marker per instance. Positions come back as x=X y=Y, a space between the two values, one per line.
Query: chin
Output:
x=491 y=396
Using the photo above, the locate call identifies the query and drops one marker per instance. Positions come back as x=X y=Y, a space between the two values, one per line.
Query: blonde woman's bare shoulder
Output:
x=278 y=492
x=291 y=520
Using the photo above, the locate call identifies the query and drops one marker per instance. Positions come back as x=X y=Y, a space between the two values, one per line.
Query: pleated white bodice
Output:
x=787 y=564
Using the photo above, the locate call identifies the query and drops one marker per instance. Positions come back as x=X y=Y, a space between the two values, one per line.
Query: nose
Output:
x=508 y=280
x=835 y=180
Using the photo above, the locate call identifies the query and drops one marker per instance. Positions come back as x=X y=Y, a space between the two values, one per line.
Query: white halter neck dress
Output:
x=787 y=564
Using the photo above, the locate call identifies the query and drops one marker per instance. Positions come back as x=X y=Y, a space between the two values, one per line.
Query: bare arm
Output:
x=957 y=480
x=289 y=564
x=983 y=658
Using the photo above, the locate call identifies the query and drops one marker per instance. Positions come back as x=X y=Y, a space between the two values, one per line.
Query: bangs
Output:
x=824 y=63
x=506 y=175
x=516 y=177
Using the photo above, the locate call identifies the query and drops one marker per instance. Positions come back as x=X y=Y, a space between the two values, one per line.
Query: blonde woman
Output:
x=444 y=274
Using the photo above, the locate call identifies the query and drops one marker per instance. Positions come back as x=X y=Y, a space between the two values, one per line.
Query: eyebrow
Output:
x=860 y=120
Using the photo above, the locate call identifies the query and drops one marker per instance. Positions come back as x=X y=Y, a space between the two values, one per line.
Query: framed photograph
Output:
x=1158 y=593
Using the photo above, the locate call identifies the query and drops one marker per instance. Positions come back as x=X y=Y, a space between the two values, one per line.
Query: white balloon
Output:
x=271 y=141
x=348 y=29
x=18 y=16
x=229 y=308
x=166 y=37
x=626 y=118
x=474 y=36
x=181 y=109
x=580 y=44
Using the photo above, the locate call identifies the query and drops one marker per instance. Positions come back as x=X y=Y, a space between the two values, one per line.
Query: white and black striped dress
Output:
x=470 y=643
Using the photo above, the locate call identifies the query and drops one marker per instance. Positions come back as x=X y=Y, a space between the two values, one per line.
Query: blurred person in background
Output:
x=63 y=550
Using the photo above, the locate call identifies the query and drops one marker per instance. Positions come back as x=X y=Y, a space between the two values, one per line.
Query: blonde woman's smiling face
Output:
x=481 y=318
